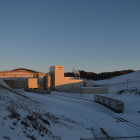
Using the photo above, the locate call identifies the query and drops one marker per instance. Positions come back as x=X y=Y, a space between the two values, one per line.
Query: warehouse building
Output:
x=56 y=80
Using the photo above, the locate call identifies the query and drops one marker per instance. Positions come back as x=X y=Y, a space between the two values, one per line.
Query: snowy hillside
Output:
x=92 y=116
x=19 y=73
x=23 y=118
x=135 y=76
x=128 y=82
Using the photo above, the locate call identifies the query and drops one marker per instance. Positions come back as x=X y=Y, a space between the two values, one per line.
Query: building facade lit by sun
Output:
x=56 y=79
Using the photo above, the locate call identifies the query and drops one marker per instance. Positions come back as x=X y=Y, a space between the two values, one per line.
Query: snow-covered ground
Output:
x=135 y=76
x=53 y=117
x=91 y=115
x=129 y=82
x=26 y=118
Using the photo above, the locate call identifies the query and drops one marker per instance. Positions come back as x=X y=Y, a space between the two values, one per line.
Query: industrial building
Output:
x=33 y=83
x=53 y=80
x=56 y=80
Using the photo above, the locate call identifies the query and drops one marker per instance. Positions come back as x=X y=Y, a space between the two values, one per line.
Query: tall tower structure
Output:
x=57 y=76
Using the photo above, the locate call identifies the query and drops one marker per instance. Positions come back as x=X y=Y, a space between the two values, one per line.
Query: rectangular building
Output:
x=58 y=81
x=33 y=83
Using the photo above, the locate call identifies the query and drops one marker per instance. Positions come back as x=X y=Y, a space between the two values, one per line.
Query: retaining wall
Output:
x=89 y=90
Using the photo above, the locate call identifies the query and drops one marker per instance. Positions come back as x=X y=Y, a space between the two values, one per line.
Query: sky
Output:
x=91 y=35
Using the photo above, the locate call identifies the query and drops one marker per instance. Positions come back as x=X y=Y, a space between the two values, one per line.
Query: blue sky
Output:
x=91 y=35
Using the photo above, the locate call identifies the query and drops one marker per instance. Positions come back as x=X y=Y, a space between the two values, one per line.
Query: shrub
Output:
x=6 y=137
x=32 y=137
x=13 y=112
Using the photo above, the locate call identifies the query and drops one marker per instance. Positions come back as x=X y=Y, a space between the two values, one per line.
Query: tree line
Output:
x=98 y=76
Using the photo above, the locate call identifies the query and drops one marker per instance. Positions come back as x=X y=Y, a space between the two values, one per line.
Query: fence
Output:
x=130 y=86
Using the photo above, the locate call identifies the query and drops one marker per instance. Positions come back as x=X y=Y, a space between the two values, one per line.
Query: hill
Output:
x=135 y=76
x=99 y=76
x=24 y=69
x=128 y=82
x=19 y=73
x=23 y=118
